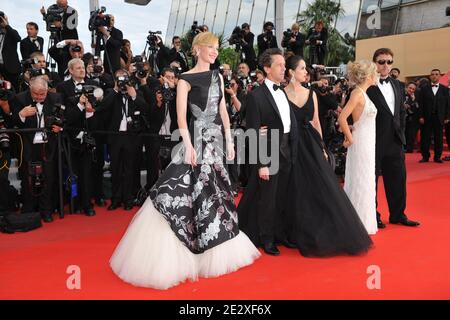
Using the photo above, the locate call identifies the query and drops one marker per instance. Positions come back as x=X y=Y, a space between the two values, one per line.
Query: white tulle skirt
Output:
x=151 y=255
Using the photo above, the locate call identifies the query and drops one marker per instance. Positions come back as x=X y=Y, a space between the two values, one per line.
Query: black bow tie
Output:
x=276 y=87
x=435 y=85
x=384 y=80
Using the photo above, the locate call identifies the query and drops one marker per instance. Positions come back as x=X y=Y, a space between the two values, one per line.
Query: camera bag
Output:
x=13 y=222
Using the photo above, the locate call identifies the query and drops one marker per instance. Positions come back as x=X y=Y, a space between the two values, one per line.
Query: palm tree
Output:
x=340 y=49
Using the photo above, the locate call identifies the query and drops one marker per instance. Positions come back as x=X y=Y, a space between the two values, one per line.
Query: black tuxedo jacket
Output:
x=263 y=45
x=75 y=118
x=389 y=127
x=9 y=52
x=22 y=100
x=113 y=46
x=176 y=56
x=261 y=110
x=27 y=47
x=426 y=99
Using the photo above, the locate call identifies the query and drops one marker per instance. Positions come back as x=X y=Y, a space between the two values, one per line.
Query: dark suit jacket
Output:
x=176 y=56
x=27 y=47
x=248 y=49
x=297 y=46
x=22 y=100
x=155 y=115
x=261 y=110
x=426 y=99
x=113 y=46
x=263 y=45
x=389 y=127
x=9 y=52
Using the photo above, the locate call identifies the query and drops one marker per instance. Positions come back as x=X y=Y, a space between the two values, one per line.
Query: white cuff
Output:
x=22 y=118
x=80 y=106
x=61 y=44
x=89 y=114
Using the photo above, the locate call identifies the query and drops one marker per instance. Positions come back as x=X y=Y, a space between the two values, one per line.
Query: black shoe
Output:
x=128 y=206
x=406 y=222
x=288 y=244
x=438 y=160
x=47 y=217
x=113 y=206
x=89 y=212
x=380 y=224
x=423 y=160
x=100 y=202
x=271 y=249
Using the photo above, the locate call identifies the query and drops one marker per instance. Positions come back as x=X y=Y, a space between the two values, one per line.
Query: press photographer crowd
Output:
x=67 y=115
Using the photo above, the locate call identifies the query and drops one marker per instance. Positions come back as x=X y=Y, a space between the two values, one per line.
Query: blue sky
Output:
x=133 y=20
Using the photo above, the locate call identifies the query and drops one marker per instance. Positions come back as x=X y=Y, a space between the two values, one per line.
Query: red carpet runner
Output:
x=413 y=262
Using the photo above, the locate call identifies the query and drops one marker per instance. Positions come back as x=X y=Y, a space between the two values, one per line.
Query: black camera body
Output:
x=88 y=141
x=313 y=38
x=152 y=38
x=288 y=34
x=136 y=123
x=5 y=90
x=92 y=92
x=54 y=13
x=237 y=36
x=4 y=137
x=56 y=118
x=124 y=81
x=138 y=62
x=36 y=177
x=226 y=79
x=99 y=19
x=97 y=69
x=168 y=93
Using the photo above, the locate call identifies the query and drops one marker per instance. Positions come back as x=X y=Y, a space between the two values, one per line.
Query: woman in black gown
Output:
x=324 y=220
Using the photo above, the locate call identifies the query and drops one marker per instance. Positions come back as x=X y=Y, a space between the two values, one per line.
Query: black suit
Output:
x=27 y=47
x=81 y=157
x=181 y=57
x=297 y=46
x=434 y=109
x=317 y=52
x=113 y=45
x=265 y=43
x=390 y=158
x=249 y=51
x=260 y=217
x=10 y=68
x=124 y=147
x=43 y=152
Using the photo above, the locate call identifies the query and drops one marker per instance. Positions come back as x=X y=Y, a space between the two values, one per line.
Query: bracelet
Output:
x=233 y=96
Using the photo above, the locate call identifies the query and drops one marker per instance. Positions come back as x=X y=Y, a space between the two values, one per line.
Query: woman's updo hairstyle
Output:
x=360 y=71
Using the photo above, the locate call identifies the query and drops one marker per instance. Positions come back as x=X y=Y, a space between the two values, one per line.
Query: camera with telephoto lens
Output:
x=88 y=141
x=5 y=90
x=288 y=34
x=38 y=72
x=54 y=13
x=91 y=92
x=122 y=82
x=152 y=38
x=99 y=19
x=195 y=30
x=313 y=38
x=226 y=78
x=27 y=64
x=97 y=69
x=56 y=118
x=139 y=62
x=4 y=137
x=135 y=122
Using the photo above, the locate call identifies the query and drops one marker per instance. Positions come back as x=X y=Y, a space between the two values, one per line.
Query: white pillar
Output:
x=279 y=20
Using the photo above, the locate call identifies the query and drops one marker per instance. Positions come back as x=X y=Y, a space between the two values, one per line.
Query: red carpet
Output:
x=414 y=262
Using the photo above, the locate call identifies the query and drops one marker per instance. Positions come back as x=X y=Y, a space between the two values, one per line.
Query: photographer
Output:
x=267 y=39
x=9 y=59
x=36 y=66
x=64 y=51
x=122 y=109
x=68 y=17
x=110 y=38
x=36 y=108
x=327 y=102
x=31 y=43
x=125 y=54
x=80 y=119
x=317 y=40
x=247 y=47
x=177 y=54
x=412 y=116
x=162 y=119
x=96 y=72
x=293 y=40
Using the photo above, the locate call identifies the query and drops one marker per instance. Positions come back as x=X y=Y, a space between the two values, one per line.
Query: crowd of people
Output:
x=114 y=107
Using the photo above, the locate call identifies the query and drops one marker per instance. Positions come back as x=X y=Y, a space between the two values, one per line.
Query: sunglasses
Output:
x=382 y=62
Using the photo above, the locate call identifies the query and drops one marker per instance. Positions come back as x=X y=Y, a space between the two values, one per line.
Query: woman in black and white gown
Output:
x=188 y=227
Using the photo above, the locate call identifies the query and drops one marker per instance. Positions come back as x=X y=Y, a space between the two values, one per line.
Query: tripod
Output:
x=51 y=63
x=98 y=49
x=64 y=149
x=150 y=52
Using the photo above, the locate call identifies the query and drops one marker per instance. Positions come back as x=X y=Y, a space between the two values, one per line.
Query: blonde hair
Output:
x=360 y=71
x=72 y=63
x=204 y=39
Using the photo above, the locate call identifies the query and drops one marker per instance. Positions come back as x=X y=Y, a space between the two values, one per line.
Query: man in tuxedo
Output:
x=434 y=113
x=266 y=39
x=268 y=113
x=109 y=39
x=177 y=54
x=31 y=43
x=120 y=109
x=9 y=59
x=64 y=51
x=390 y=138
x=31 y=110
x=80 y=118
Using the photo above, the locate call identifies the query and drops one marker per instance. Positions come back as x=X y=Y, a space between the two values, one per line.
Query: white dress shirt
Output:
x=123 y=123
x=388 y=92
x=435 y=89
x=39 y=137
x=282 y=105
